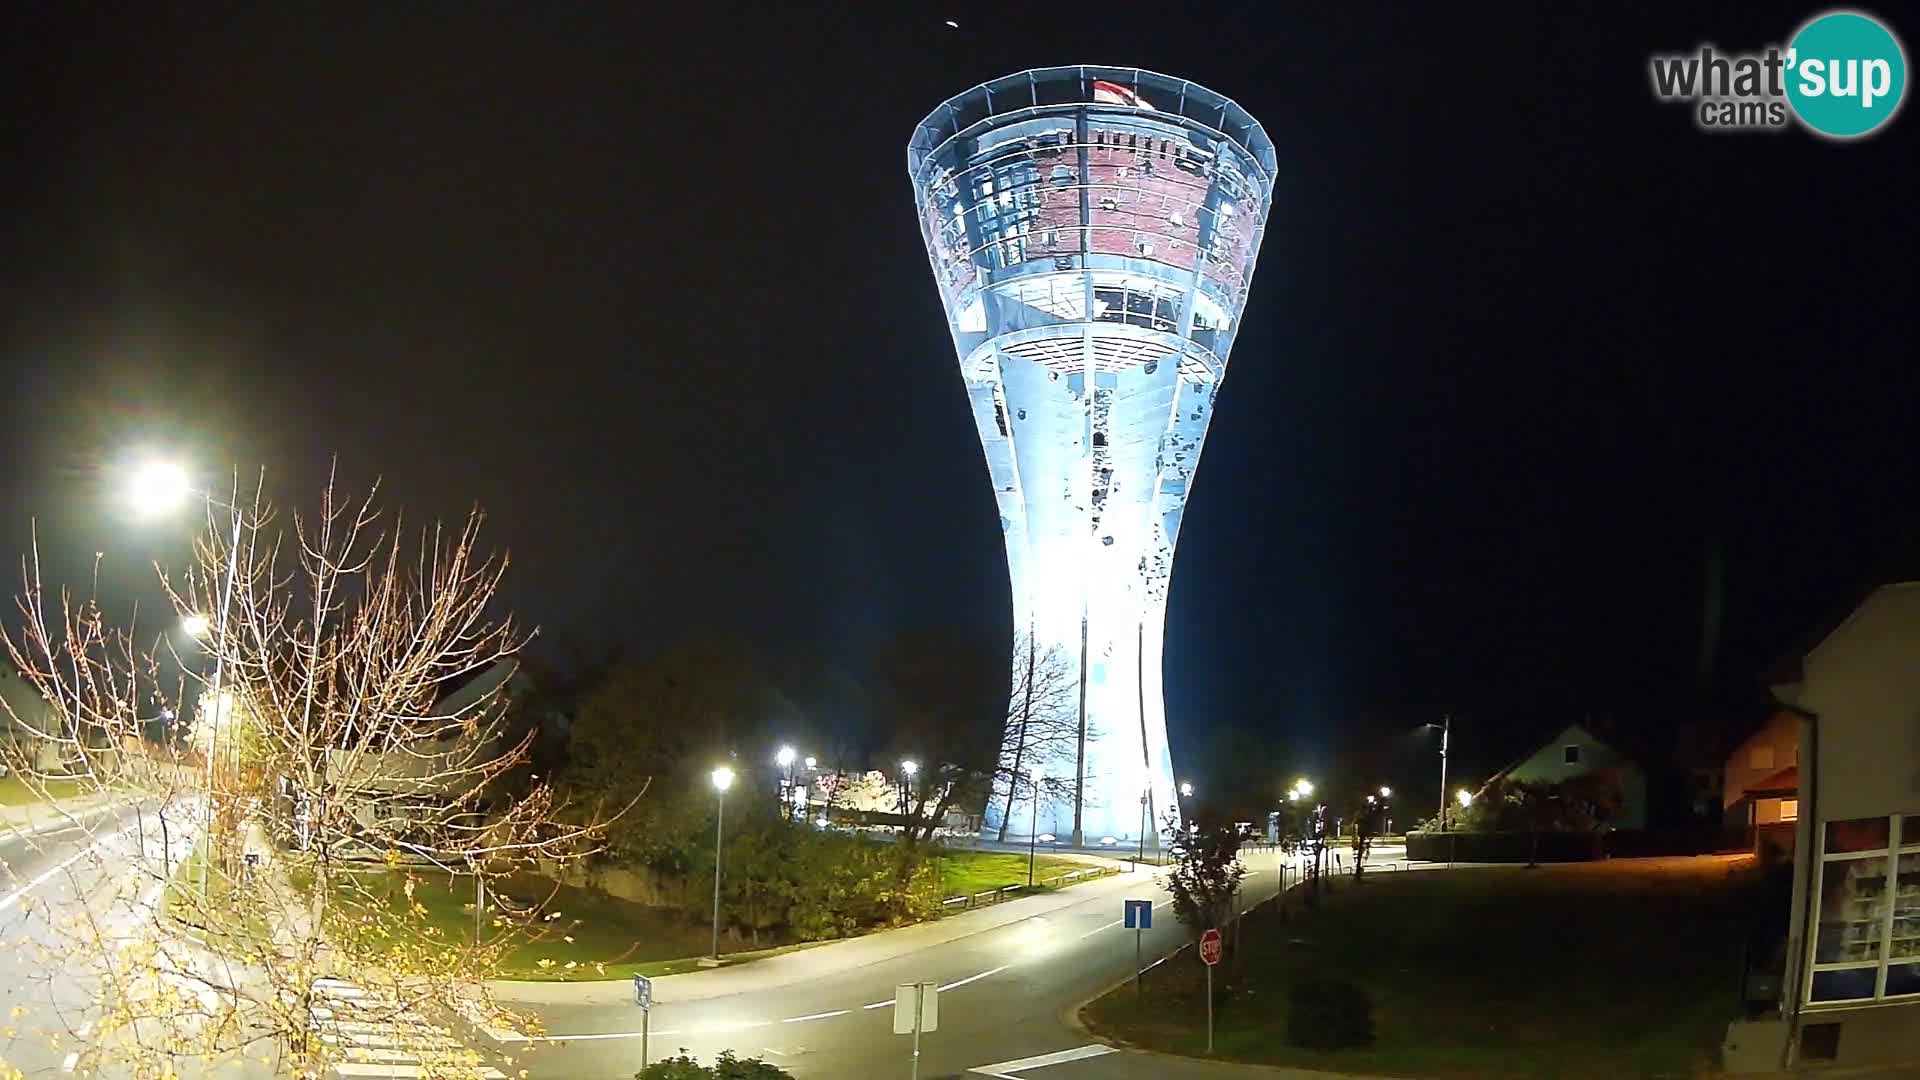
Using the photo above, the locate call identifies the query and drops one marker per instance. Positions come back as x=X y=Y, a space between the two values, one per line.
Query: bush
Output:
x=1327 y=1014
x=727 y=1067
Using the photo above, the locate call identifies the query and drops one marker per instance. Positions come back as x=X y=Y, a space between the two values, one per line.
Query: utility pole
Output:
x=1446 y=730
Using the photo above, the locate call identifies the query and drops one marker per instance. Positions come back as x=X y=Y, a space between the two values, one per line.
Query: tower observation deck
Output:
x=1093 y=231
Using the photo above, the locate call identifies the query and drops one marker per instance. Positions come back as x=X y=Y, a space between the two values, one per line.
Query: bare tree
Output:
x=1042 y=730
x=299 y=805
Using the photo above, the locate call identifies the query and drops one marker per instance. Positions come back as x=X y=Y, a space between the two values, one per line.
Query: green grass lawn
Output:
x=15 y=792
x=1613 y=969
x=612 y=938
x=963 y=873
x=227 y=921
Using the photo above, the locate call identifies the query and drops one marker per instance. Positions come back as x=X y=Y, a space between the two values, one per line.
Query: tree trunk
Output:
x=1020 y=747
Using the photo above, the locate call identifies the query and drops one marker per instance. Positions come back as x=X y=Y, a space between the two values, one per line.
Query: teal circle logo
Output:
x=1846 y=74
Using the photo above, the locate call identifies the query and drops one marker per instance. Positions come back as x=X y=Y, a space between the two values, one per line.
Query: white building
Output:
x=1851 y=989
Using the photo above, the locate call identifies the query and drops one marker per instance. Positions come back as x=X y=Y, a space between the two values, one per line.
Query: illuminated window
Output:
x=1866 y=944
x=1789 y=809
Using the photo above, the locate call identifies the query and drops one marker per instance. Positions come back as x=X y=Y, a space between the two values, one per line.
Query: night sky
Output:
x=1524 y=354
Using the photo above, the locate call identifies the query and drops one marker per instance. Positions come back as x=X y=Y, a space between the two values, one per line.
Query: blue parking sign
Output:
x=1139 y=914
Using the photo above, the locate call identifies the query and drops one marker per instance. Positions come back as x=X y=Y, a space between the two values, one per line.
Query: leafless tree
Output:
x=1042 y=731
x=291 y=808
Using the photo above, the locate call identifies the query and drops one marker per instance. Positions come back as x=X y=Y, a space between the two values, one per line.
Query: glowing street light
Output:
x=1386 y=793
x=1465 y=797
x=785 y=757
x=195 y=625
x=909 y=767
x=1303 y=786
x=159 y=487
x=722 y=780
x=1186 y=789
x=811 y=763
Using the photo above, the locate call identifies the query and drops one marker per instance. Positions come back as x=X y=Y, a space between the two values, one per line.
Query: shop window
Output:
x=1866 y=944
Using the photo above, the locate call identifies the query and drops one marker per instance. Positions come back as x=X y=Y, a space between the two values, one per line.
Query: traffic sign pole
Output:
x=643 y=997
x=1210 y=955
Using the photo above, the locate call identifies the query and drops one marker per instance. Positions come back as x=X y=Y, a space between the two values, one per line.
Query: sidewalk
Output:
x=815 y=963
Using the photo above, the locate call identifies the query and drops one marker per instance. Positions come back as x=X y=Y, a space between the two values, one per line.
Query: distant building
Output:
x=1761 y=782
x=1576 y=752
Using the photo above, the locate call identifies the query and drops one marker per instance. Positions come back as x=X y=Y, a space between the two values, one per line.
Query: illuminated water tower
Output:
x=1093 y=231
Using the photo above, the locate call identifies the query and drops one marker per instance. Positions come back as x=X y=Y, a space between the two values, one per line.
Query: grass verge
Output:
x=14 y=791
x=1625 y=968
x=963 y=873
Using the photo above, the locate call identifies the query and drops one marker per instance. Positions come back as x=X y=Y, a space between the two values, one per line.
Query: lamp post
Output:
x=722 y=780
x=1386 y=810
x=908 y=767
x=1033 y=830
x=160 y=487
x=1446 y=731
x=785 y=760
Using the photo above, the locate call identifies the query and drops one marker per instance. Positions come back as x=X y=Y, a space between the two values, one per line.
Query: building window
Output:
x=1866 y=944
x=1760 y=757
x=1572 y=755
x=1789 y=809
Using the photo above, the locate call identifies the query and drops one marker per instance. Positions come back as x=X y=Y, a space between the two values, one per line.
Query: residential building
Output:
x=1850 y=992
x=1761 y=786
x=1575 y=751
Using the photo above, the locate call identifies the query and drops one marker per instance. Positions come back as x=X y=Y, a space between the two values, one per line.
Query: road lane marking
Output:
x=816 y=1016
x=878 y=1004
x=973 y=978
x=13 y=897
x=1058 y=1057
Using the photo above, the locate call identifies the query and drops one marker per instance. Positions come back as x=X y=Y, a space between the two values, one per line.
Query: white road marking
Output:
x=974 y=978
x=816 y=1016
x=13 y=897
x=878 y=1004
x=1058 y=1057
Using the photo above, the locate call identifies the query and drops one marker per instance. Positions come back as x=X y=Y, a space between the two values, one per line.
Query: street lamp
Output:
x=159 y=487
x=1465 y=797
x=195 y=625
x=1303 y=786
x=1446 y=732
x=908 y=767
x=1386 y=793
x=1033 y=830
x=722 y=780
x=785 y=760
x=1186 y=790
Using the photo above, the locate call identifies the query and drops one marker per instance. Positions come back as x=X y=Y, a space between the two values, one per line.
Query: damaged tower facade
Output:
x=1093 y=231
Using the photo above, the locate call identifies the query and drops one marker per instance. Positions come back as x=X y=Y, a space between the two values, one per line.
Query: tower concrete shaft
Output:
x=1093 y=231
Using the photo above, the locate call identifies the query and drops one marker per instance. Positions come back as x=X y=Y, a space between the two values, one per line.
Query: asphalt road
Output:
x=62 y=873
x=1005 y=993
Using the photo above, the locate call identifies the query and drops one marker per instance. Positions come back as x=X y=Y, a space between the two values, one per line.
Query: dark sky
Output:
x=1523 y=346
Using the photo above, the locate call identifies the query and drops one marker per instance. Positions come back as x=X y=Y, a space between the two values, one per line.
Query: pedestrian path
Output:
x=374 y=1035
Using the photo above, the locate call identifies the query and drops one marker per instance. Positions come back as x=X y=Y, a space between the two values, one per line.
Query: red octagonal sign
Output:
x=1210 y=947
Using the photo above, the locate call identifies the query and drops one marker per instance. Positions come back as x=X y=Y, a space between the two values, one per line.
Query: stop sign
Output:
x=1210 y=947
